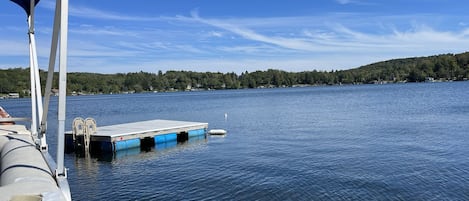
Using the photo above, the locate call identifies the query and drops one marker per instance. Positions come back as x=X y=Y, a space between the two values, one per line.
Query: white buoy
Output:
x=226 y=116
x=217 y=132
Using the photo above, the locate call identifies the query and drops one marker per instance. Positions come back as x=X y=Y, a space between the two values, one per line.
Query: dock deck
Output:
x=113 y=138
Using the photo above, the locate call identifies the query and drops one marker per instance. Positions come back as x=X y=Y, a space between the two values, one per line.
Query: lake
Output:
x=367 y=142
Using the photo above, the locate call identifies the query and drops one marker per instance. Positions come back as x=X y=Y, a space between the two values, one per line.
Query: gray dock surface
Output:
x=150 y=128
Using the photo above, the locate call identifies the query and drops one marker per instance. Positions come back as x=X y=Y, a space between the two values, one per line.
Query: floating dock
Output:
x=118 y=137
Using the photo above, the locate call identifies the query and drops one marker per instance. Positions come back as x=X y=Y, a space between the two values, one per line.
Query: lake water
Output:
x=369 y=142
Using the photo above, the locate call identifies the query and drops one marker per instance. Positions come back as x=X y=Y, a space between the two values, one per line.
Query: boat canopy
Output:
x=25 y=4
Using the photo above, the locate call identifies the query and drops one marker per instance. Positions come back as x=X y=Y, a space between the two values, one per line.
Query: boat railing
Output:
x=39 y=110
x=15 y=119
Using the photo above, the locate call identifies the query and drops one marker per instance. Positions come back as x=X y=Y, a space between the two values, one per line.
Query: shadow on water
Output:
x=153 y=151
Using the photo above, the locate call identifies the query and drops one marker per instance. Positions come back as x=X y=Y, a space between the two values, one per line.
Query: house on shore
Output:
x=13 y=95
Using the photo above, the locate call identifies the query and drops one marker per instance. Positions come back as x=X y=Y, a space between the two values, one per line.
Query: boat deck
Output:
x=26 y=173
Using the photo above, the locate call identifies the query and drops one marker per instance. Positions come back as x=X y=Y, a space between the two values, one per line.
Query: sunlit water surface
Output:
x=370 y=142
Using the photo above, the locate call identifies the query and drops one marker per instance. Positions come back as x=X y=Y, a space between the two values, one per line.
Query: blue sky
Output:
x=238 y=35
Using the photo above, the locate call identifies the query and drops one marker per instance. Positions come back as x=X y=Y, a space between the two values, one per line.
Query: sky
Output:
x=237 y=35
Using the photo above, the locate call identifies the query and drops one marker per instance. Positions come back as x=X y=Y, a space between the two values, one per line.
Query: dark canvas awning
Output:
x=25 y=4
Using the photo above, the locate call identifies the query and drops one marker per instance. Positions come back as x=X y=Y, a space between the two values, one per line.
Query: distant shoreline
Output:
x=439 y=68
x=9 y=96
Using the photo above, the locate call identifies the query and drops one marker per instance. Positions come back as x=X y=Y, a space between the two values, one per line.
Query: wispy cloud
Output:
x=85 y=12
x=357 y=2
x=291 y=43
x=102 y=31
x=216 y=34
x=295 y=43
x=14 y=48
x=91 y=13
x=322 y=47
x=344 y=1
x=339 y=38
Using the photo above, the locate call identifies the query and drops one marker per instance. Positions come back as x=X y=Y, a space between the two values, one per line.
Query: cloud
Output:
x=216 y=34
x=91 y=13
x=102 y=31
x=321 y=47
x=339 y=38
x=85 y=12
x=14 y=48
x=290 y=43
x=357 y=2
x=295 y=43
x=344 y=1
x=252 y=49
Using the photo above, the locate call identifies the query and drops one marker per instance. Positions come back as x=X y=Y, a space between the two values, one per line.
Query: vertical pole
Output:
x=32 y=70
x=37 y=78
x=60 y=172
x=50 y=75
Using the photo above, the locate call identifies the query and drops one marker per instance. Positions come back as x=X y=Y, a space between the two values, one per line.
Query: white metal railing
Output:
x=38 y=116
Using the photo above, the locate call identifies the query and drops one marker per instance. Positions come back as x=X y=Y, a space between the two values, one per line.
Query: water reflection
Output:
x=157 y=150
x=166 y=145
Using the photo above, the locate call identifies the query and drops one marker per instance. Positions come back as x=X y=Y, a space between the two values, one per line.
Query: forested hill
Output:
x=441 y=68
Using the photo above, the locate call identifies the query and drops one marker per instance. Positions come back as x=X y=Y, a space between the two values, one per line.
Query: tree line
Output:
x=445 y=67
